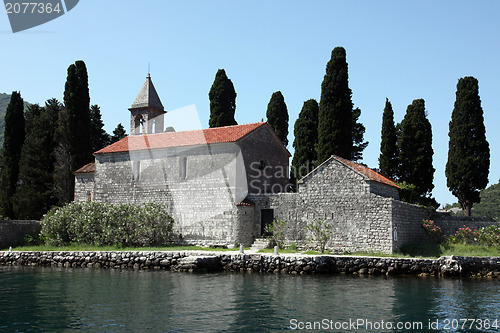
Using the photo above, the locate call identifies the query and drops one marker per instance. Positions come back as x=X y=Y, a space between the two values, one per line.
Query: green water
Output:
x=63 y=300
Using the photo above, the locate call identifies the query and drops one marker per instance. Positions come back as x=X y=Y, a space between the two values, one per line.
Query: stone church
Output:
x=223 y=185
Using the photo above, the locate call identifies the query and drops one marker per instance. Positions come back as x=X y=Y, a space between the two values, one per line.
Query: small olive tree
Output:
x=320 y=233
x=276 y=231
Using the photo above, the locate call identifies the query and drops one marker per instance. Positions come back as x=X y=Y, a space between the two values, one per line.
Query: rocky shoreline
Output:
x=198 y=261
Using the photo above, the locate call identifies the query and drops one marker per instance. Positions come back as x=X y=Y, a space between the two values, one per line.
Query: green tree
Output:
x=118 y=133
x=64 y=179
x=11 y=153
x=222 y=101
x=335 y=110
x=415 y=147
x=98 y=136
x=77 y=104
x=305 y=142
x=388 y=160
x=277 y=116
x=468 y=163
x=35 y=194
x=358 y=132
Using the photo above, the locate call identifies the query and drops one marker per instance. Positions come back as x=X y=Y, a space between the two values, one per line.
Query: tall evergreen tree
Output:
x=118 y=133
x=11 y=153
x=468 y=163
x=77 y=104
x=306 y=138
x=388 y=160
x=277 y=116
x=35 y=194
x=358 y=132
x=415 y=147
x=98 y=136
x=64 y=179
x=222 y=101
x=335 y=110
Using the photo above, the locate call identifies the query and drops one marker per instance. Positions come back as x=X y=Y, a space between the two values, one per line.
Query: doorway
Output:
x=266 y=218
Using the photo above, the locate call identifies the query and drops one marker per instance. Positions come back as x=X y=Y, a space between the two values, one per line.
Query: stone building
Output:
x=223 y=185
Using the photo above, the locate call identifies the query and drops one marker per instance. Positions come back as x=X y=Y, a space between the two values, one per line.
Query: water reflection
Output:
x=47 y=299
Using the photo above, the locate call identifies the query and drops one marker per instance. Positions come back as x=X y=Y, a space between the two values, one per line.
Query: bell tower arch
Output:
x=147 y=112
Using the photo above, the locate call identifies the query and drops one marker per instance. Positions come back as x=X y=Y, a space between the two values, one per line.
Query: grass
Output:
x=430 y=250
x=418 y=250
x=83 y=247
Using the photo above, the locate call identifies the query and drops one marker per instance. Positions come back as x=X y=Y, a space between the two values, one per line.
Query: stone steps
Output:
x=259 y=244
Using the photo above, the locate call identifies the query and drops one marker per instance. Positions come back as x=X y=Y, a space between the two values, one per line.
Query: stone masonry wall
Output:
x=451 y=224
x=361 y=221
x=84 y=187
x=12 y=233
x=191 y=261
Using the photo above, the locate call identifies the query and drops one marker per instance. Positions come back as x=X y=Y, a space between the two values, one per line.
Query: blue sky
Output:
x=401 y=50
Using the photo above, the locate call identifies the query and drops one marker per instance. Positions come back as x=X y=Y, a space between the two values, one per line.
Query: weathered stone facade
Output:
x=223 y=185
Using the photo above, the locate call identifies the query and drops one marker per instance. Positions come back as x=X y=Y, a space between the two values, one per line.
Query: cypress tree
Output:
x=98 y=136
x=118 y=133
x=358 y=132
x=306 y=138
x=64 y=179
x=35 y=194
x=222 y=101
x=335 y=110
x=11 y=153
x=468 y=153
x=388 y=160
x=77 y=104
x=277 y=116
x=415 y=147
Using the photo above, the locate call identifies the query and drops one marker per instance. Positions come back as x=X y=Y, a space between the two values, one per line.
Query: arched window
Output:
x=139 y=124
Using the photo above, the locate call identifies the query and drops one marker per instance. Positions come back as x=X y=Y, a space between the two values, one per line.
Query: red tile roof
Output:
x=371 y=174
x=88 y=168
x=181 y=139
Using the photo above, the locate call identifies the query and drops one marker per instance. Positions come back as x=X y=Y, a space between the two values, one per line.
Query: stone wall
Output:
x=84 y=187
x=12 y=233
x=451 y=224
x=360 y=220
x=407 y=222
x=193 y=261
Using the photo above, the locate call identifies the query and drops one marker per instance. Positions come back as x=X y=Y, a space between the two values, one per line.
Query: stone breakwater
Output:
x=192 y=261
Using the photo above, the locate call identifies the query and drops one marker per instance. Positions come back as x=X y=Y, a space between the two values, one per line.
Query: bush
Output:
x=486 y=236
x=100 y=224
x=321 y=233
x=277 y=232
x=433 y=231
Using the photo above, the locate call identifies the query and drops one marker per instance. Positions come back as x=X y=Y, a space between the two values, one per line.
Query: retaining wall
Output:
x=193 y=261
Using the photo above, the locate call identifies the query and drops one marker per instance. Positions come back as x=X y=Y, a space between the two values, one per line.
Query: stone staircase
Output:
x=259 y=244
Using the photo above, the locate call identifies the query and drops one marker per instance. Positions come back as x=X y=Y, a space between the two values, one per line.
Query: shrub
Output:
x=486 y=236
x=100 y=224
x=433 y=231
x=277 y=232
x=320 y=233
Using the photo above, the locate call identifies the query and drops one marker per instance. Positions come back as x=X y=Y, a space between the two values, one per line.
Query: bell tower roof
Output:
x=147 y=98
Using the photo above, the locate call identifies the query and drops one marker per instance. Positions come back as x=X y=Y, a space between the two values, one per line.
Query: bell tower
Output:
x=147 y=112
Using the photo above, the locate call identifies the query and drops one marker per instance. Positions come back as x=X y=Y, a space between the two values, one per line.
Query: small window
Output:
x=136 y=170
x=183 y=167
x=89 y=196
x=262 y=164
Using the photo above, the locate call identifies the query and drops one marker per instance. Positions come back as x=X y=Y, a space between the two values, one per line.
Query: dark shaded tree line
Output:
x=43 y=146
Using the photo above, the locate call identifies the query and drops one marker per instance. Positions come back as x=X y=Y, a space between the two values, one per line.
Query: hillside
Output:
x=4 y=101
x=489 y=205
